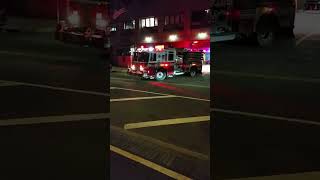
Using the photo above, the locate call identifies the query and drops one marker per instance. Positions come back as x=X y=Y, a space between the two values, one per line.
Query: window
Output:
x=176 y=19
x=166 y=20
x=171 y=56
x=171 y=19
x=198 y=16
x=129 y=25
x=148 y=22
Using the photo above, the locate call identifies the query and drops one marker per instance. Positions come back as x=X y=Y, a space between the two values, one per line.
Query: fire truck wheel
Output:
x=161 y=75
x=265 y=38
x=193 y=72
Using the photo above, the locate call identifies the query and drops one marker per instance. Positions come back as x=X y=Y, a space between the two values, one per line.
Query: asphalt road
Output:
x=54 y=109
x=166 y=123
x=266 y=106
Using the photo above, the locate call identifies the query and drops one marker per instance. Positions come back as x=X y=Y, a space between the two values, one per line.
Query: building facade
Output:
x=179 y=24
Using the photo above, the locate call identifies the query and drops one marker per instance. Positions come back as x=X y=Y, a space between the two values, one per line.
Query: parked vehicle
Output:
x=261 y=19
x=166 y=63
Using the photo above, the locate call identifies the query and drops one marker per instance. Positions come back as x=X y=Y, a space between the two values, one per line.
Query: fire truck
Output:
x=165 y=63
x=263 y=20
x=85 y=22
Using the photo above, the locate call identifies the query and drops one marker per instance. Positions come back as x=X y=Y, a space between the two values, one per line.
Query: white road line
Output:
x=141 y=98
x=300 y=40
x=149 y=164
x=148 y=92
x=158 y=142
x=178 y=84
x=53 y=119
x=4 y=84
x=166 y=122
x=58 y=88
x=302 y=121
x=253 y=75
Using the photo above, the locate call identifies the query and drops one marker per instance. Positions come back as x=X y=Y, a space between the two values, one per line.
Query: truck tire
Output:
x=161 y=75
x=266 y=30
x=266 y=39
x=193 y=72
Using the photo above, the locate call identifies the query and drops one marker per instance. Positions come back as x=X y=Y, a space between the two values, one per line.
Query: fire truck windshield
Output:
x=141 y=56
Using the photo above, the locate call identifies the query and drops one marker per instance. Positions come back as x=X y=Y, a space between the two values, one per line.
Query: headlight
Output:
x=141 y=68
x=133 y=67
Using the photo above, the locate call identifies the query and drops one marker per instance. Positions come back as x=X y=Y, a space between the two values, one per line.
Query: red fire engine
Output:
x=157 y=64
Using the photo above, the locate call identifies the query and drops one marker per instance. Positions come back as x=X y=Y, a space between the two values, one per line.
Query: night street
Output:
x=54 y=109
x=166 y=123
x=266 y=106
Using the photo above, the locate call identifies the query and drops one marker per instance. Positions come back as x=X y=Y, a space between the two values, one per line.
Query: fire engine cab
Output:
x=161 y=64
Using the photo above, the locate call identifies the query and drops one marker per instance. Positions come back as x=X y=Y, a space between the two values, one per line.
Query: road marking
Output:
x=162 y=94
x=166 y=122
x=58 y=88
x=141 y=98
x=300 y=40
x=178 y=84
x=302 y=121
x=3 y=84
x=158 y=142
x=234 y=73
x=295 y=176
x=53 y=119
x=149 y=164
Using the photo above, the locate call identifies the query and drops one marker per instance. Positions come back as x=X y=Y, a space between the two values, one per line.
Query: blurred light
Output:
x=202 y=35
x=148 y=39
x=74 y=18
x=159 y=47
x=141 y=68
x=133 y=67
x=150 y=49
x=173 y=37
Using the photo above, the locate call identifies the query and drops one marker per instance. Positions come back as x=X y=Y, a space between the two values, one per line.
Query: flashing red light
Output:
x=164 y=65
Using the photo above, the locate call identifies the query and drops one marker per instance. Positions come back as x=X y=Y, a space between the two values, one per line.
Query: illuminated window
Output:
x=148 y=22
x=151 y=22
x=129 y=25
x=113 y=29
x=143 y=23
x=166 y=20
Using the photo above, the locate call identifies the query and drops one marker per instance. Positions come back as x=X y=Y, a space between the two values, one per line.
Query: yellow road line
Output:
x=149 y=92
x=149 y=164
x=141 y=98
x=166 y=122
